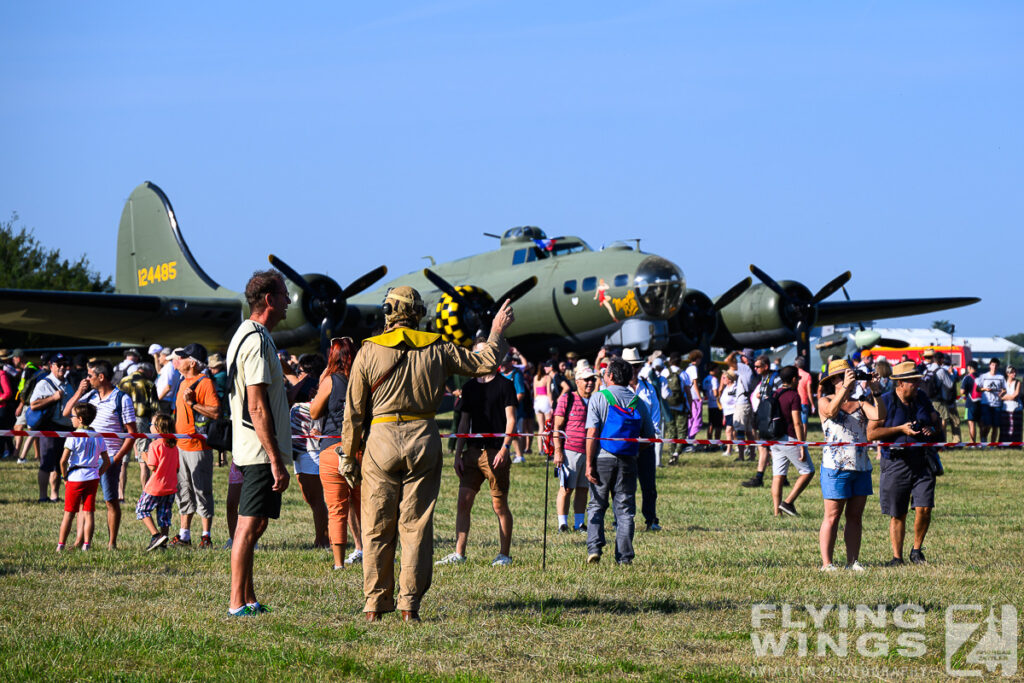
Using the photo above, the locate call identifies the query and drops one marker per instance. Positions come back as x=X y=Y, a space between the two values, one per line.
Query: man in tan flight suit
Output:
x=396 y=384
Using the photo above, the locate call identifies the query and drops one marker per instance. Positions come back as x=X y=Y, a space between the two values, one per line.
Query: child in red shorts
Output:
x=158 y=494
x=83 y=463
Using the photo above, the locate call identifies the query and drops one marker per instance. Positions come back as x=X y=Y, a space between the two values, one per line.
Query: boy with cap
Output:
x=570 y=450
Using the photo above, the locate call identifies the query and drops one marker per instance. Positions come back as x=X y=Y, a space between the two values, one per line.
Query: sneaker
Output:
x=518 y=460
x=689 y=449
x=563 y=528
x=917 y=557
x=246 y=611
x=205 y=542
x=624 y=562
x=673 y=459
x=227 y=544
x=593 y=558
x=829 y=568
x=894 y=562
x=855 y=566
x=739 y=458
x=177 y=542
x=257 y=608
x=753 y=483
x=354 y=557
x=157 y=541
x=454 y=558
x=654 y=527
x=501 y=560
x=582 y=528
x=21 y=461
x=789 y=509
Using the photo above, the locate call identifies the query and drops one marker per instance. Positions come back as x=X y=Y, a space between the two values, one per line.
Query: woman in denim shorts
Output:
x=845 y=470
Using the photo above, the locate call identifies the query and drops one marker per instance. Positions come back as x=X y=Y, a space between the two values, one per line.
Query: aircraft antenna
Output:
x=431 y=259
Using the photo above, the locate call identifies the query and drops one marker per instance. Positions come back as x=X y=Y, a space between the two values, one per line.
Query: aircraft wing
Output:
x=130 y=318
x=835 y=312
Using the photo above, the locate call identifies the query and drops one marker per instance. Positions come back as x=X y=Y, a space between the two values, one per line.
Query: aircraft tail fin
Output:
x=152 y=257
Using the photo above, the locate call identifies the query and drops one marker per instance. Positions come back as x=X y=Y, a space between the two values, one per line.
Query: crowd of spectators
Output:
x=675 y=396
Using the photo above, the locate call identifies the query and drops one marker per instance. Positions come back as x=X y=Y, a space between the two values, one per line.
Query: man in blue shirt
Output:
x=907 y=478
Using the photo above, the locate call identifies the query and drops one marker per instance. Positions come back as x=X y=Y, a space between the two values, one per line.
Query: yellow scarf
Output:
x=399 y=335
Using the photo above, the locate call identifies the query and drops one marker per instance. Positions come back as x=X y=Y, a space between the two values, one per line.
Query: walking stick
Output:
x=547 y=475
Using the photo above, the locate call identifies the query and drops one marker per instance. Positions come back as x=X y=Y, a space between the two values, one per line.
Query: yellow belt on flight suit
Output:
x=402 y=417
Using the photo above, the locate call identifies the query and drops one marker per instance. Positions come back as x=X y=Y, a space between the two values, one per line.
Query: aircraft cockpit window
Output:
x=569 y=287
x=563 y=248
x=525 y=255
x=589 y=284
x=526 y=231
x=621 y=280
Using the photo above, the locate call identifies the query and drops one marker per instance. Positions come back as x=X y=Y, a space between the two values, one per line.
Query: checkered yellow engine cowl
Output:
x=455 y=324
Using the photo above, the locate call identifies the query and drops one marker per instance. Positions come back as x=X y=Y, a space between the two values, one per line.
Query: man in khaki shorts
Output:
x=488 y=407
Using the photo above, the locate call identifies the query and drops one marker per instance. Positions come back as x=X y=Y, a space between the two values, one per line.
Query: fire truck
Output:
x=960 y=356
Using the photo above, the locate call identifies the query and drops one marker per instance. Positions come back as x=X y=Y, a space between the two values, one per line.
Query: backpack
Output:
x=44 y=416
x=621 y=423
x=676 y=394
x=930 y=384
x=29 y=382
x=776 y=422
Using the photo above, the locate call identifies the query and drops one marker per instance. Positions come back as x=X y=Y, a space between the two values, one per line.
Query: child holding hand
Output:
x=162 y=460
x=83 y=463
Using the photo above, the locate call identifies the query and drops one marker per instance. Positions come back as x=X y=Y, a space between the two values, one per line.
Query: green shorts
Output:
x=258 y=499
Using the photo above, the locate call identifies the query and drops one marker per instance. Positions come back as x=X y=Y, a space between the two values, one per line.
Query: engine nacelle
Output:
x=457 y=322
x=760 y=317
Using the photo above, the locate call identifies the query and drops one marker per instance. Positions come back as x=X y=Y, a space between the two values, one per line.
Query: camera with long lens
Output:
x=861 y=375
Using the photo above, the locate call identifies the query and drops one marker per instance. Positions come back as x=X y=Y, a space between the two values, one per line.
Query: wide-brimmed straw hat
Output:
x=905 y=370
x=836 y=368
x=632 y=356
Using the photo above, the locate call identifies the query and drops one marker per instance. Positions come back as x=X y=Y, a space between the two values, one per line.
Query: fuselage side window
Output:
x=621 y=280
x=519 y=256
x=569 y=287
x=589 y=284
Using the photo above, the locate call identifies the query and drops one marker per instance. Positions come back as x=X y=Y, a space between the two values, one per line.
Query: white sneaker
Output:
x=454 y=558
x=518 y=459
x=830 y=568
x=855 y=567
x=501 y=560
x=354 y=557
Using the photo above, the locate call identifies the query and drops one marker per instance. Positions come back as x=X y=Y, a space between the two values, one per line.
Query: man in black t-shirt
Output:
x=488 y=406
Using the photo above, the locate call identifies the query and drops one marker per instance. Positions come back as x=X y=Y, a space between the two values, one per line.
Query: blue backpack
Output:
x=621 y=423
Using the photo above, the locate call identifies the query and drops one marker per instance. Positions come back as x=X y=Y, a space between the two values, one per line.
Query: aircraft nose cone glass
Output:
x=659 y=286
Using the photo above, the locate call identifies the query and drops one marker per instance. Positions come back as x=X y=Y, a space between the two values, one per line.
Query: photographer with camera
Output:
x=908 y=474
x=845 y=470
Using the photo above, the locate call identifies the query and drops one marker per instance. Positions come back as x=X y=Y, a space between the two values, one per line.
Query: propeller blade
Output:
x=291 y=274
x=443 y=285
x=832 y=287
x=847 y=295
x=733 y=293
x=362 y=283
x=325 y=336
x=768 y=281
x=516 y=292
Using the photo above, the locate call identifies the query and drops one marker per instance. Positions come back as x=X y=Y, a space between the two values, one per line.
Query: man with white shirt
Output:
x=991 y=384
x=51 y=393
x=743 y=411
x=676 y=396
x=168 y=380
x=696 y=398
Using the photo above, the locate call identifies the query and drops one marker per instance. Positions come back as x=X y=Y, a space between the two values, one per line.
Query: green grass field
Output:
x=681 y=612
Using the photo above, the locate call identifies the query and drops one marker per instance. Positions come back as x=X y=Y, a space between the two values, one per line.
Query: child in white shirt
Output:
x=84 y=461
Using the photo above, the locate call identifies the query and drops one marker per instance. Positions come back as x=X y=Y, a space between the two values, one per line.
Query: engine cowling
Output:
x=759 y=317
x=457 y=322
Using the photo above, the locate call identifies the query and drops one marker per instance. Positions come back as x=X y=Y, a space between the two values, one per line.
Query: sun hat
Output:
x=905 y=370
x=632 y=356
x=583 y=370
x=836 y=368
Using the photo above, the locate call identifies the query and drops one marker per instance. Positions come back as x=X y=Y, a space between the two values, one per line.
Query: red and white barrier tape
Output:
x=692 y=442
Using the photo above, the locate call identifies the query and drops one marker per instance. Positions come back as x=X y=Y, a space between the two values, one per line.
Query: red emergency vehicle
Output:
x=960 y=355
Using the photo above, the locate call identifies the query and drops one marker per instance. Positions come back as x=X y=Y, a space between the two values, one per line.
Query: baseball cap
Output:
x=749 y=353
x=195 y=352
x=132 y=352
x=60 y=359
x=155 y=349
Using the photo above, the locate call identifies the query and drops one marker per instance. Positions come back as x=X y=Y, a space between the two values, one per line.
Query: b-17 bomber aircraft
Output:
x=567 y=295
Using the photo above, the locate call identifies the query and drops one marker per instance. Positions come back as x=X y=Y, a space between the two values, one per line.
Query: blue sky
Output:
x=808 y=138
